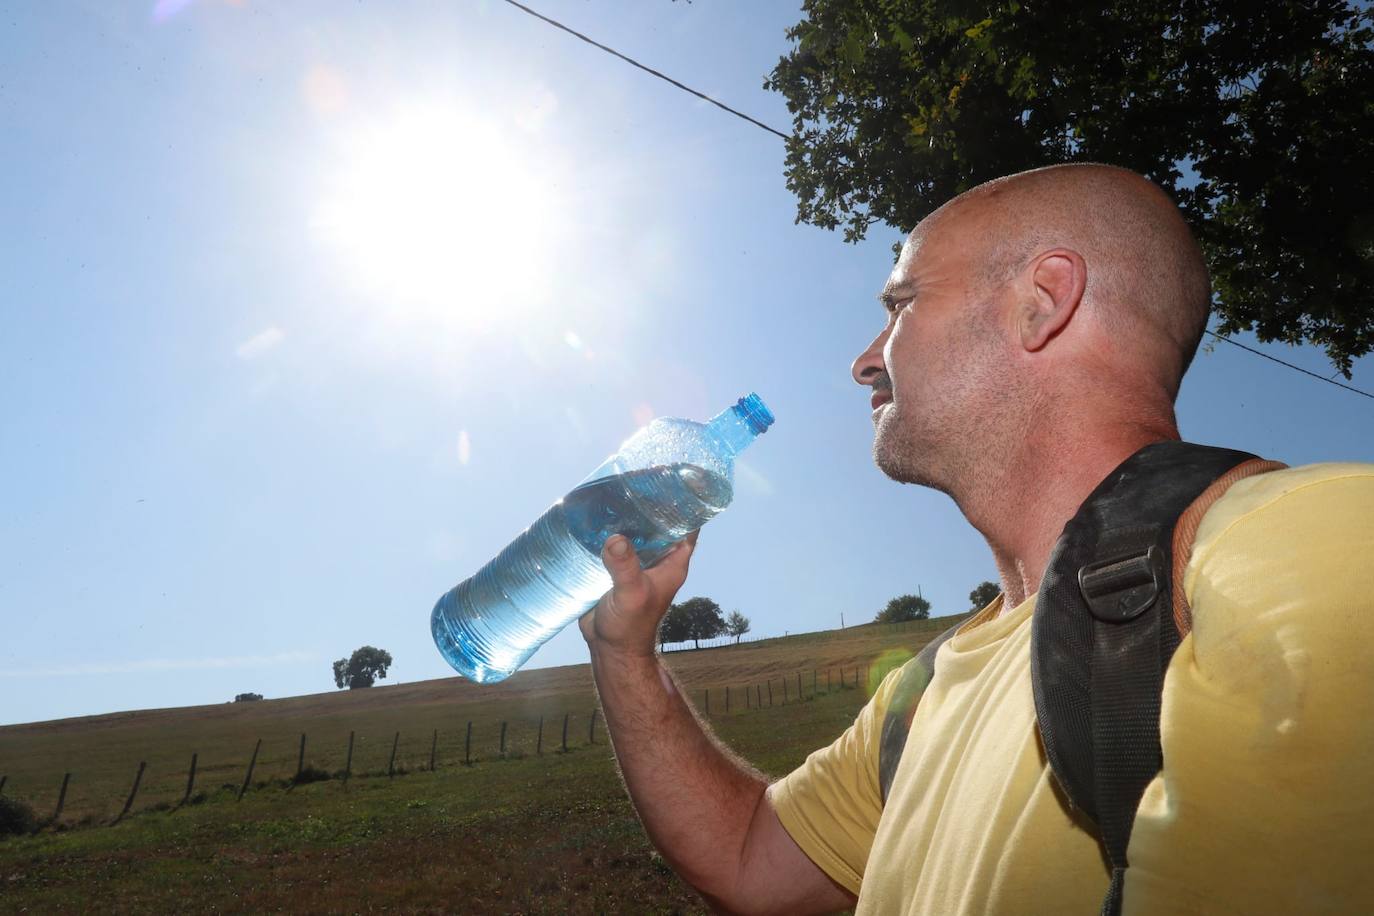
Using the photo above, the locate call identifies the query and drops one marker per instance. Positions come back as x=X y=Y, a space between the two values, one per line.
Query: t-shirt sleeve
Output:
x=831 y=803
x=1265 y=803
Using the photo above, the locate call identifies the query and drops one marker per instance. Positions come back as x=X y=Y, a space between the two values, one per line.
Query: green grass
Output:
x=550 y=832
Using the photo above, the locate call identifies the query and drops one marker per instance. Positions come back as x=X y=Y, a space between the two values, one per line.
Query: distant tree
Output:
x=736 y=625
x=904 y=607
x=362 y=668
x=673 y=627
x=703 y=619
x=982 y=595
x=247 y=697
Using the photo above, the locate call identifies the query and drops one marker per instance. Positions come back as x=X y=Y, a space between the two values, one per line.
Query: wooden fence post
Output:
x=784 y=691
x=348 y=762
x=300 y=759
x=190 y=781
x=770 y=693
x=748 y=703
x=758 y=697
x=61 y=799
x=503 y=739
x=391 y=764
x=467 y=747
x=433 y=746
x=565 y=731
x=813 y=682
x=129 y=802
x=800 y=694
x=591 y=729
x=539 y=747
x=2 y=783
x=248 y=777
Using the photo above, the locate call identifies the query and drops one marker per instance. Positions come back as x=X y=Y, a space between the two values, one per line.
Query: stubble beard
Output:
x=904 y=454
x=944 y=438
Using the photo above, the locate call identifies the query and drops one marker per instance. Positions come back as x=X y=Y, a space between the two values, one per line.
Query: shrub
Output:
x=311 y=774
x=16 y=817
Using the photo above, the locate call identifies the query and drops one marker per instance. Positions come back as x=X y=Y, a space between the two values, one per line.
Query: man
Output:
x=1038 y=329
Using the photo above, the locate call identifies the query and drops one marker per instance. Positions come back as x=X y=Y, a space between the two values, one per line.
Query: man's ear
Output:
x=1057 y=279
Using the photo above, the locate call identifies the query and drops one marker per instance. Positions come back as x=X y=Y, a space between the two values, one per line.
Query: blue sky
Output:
x=257 y=414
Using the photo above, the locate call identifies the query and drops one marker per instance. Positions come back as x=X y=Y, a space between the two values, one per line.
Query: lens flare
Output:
x=887 y=661
x=166 y=9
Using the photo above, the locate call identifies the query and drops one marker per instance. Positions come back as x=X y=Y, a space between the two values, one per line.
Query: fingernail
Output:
x=619 y=547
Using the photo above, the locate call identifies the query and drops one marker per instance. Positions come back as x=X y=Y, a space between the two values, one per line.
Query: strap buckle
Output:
x=1120 y=589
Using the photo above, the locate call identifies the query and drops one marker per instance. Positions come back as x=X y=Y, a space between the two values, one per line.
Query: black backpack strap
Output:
x=1102 y=635
x=915 y=676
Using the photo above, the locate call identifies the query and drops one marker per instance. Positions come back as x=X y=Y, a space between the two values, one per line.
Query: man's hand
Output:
x=626 y=618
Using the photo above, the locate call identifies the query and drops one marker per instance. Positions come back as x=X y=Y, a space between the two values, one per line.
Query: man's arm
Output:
x=706 y=810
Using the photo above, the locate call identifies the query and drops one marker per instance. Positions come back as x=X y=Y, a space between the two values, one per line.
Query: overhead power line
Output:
x=1320 y=378
x=759 y=124
x=630 y=60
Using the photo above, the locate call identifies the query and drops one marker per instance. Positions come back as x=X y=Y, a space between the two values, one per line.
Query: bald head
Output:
x=1147 y=283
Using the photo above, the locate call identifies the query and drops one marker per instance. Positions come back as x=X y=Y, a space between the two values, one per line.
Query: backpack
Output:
x=1108 y=616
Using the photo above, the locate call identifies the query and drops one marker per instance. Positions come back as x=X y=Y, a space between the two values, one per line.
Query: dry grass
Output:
x=529 y=833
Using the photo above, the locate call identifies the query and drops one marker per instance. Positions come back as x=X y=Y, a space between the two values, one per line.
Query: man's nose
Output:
x=870 y=362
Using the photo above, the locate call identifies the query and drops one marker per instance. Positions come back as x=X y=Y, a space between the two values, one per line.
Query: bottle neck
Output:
x=733 y=429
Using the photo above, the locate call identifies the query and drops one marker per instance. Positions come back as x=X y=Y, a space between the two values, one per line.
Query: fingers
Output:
x=672 y=572
x=627 y=616
x=633 y=584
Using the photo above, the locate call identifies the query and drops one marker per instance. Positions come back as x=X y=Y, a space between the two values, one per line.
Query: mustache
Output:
x=882 y=382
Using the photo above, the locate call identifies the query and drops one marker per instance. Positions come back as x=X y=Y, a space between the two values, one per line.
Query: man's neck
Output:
x=1021 y=506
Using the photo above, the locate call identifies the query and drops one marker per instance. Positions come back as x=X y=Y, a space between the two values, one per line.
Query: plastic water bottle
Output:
x=666 y=481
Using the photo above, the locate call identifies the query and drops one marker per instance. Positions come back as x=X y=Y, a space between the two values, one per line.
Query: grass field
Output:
x=530 y=832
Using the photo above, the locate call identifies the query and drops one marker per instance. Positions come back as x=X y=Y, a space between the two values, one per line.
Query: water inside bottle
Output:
x=487 y=626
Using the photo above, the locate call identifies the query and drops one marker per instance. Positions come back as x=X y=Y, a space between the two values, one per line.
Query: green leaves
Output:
x=362 y=668
x=1259 y=118
x=903 y=608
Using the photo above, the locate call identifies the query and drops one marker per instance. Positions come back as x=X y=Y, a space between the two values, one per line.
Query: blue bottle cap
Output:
x=754 y=412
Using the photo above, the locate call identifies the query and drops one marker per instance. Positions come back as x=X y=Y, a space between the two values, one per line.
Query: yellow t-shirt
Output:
x=1266 y=800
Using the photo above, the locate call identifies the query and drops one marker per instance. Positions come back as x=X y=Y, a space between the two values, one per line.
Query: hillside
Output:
x=103 y=752
x=538 y=829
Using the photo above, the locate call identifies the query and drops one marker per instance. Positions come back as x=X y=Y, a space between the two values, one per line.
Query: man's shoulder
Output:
x=1288 y=546
x=1286 y=495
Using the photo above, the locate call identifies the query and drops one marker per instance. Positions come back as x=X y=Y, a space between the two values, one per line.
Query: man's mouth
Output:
x=880 y=398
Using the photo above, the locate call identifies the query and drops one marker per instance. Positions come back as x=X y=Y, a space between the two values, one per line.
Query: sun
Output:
x=436 y=214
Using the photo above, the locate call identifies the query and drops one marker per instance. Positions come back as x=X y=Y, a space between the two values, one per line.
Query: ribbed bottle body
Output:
x=665 y=482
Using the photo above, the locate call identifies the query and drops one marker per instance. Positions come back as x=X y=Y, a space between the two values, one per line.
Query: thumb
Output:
x=620 y=560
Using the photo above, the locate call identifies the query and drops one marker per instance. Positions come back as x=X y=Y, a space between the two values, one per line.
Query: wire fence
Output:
x=560 y=733
x=925 y=625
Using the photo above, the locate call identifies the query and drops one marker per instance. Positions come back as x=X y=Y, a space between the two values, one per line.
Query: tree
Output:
x=703 y=620
x=1255 y=116
x=982 y=595
x=736 y=625
x=247 y=697
x=673 y=627
x=362 y=668
x=902 y=608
